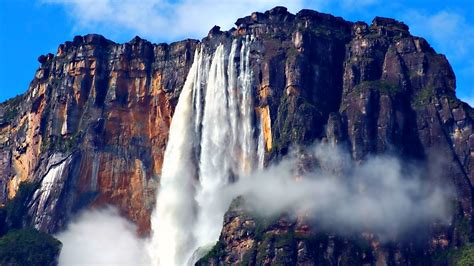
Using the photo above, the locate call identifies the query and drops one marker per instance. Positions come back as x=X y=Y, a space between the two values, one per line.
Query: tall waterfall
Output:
x=173 y=217
x=212 y=142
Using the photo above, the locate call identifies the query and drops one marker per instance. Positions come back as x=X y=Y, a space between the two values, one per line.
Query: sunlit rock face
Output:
x=93 y=127
x=104 y=109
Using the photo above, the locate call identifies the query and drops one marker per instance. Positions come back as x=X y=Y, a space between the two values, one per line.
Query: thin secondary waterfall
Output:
x=211 y=143
x=246 y=110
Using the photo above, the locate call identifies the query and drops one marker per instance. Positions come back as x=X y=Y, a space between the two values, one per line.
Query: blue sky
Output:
x=29 y=28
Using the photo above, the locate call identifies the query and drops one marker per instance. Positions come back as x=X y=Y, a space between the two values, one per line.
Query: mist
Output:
x=101 y=237
x=382 y=195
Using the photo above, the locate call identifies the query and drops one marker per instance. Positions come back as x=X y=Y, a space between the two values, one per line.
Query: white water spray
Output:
x=213 y=126
x=173 y=217
x=246 y=109
x=215 y=162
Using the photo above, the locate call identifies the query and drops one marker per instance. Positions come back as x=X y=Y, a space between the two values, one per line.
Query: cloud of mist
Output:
x=101 y=237
x=380 y=195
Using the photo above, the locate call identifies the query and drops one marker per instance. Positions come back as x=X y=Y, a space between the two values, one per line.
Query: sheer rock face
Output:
x=105 y=108
x=372 y=88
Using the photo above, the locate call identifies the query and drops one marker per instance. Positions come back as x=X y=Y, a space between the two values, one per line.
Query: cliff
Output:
x=93 y=126
x=94 y=122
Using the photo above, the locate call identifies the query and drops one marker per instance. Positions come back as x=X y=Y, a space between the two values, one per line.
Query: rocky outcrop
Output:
x=95 y=121
x=101 y=110
x=372 y=88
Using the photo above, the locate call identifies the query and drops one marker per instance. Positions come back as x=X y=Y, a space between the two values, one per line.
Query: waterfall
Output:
x=51 y=182
x=211 y=143
x=215 y=160
x=173 y=217
x=246 y=109
x=232 y=92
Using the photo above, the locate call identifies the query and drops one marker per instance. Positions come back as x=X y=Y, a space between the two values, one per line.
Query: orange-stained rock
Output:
x=105 y=106
x=27 y=154
x=267 y=127
x=102 y=112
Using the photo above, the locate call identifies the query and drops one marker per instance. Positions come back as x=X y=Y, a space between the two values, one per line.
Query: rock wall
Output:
x=373 y=89
x=102 y=111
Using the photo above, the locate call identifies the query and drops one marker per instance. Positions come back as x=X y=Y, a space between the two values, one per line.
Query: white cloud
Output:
x=357 y=4
x=450 y=33
x=448 y=30
x=382 y=195
x=165 y=20
x=101 y=237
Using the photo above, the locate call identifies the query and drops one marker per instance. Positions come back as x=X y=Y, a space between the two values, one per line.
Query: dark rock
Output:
x=78 y=40
x=389 y=23
x=105 y=109
x=215 y=31
x=278 y=10
x=42 y=59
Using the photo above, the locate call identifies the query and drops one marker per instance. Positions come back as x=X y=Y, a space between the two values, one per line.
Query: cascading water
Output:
x=215 y=159
x=246 y=110
x=173 y=219
x=211 y=142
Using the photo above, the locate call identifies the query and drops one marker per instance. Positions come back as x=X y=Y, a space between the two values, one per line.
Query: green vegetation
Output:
x=67 y=143
x=382 y=86
x=29 y=247
x=215 y=253
x=262 y=224
x=285 y=240
x=15 y=101
x=267 y=238
x=20 y=246
x=291 y=54
x=423 y=97
x=296 y=123
x=328 y=31
x=463 y=256
x=361 y=245
x=11 y=108
x=61 y=143
x=10 y=114
x=15 y=213
x=284 y=243
x=463 y=228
